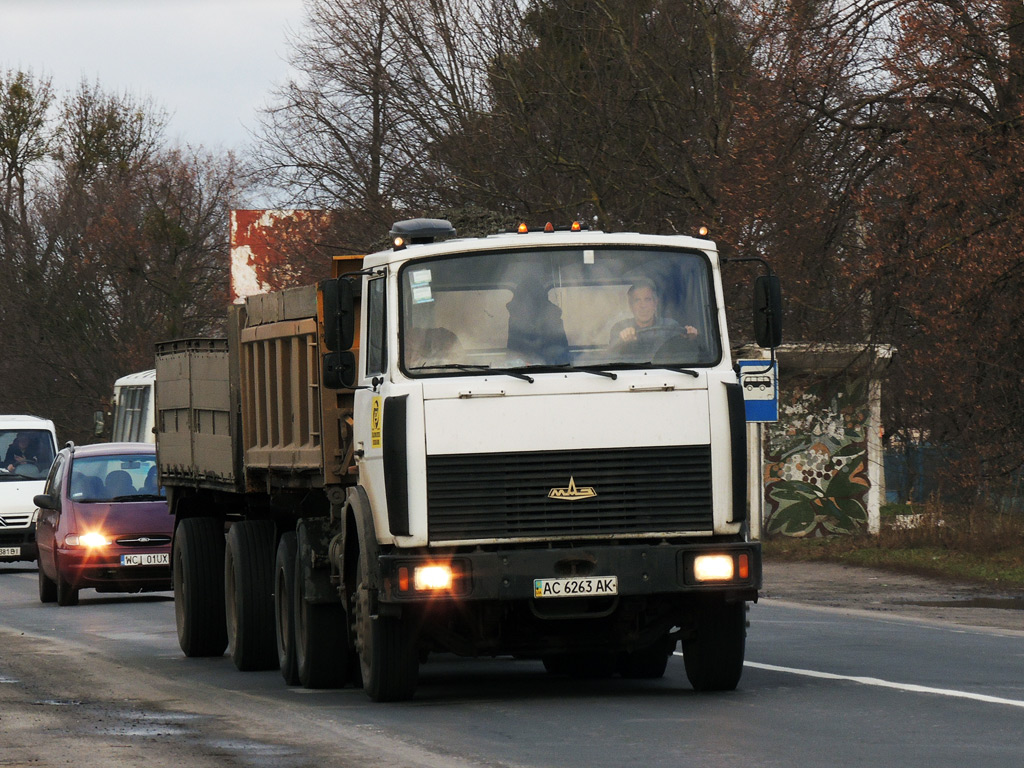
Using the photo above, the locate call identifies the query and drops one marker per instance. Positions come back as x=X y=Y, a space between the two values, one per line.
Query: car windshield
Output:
x=122 y=477
x=27 y=454
x=560 y=308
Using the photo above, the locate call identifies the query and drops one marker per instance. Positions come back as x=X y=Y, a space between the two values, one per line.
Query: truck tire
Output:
x=47 y=587
x=321 y=638
x=388 y=657
x=198 y=578
x=647 y=663
x=66 y=593
x=284 y=616
x=249 y=595
x=714 y=655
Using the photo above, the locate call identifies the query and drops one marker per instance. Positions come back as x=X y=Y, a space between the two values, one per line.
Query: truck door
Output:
x=369 y=399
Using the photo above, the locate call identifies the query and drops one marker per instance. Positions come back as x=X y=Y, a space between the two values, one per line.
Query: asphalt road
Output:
x=104 y=684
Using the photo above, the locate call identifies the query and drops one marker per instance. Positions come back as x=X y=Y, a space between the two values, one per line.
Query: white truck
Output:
x=28 y=445
x=530 y=444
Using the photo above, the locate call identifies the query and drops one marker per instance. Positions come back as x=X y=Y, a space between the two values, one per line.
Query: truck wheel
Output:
x=388 y=658
x=66 y=594
x=47 y=587
x=321 y=638
x=284 y=618
x=714 y=655
x=249 y=595
x=647 y=663
x=198 y=577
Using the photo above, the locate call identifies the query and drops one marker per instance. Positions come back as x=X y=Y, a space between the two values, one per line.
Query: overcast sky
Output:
x=209 y=63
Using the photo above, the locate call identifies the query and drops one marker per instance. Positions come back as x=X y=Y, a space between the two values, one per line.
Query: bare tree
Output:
x=128 y=246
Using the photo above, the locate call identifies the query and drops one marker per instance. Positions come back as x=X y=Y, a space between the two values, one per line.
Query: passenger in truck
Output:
x=428 y=347
x=535 y=328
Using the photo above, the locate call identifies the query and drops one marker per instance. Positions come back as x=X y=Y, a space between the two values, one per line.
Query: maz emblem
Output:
x=572 y=493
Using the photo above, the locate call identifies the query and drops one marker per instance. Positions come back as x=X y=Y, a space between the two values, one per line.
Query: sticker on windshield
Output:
x=420 y=277
x=421 y=294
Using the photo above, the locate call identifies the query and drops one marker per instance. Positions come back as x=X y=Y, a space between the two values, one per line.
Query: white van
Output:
x=28 y=445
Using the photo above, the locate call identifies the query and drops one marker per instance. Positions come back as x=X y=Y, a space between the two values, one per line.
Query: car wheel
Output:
x=47 y=587
x=66 y=593
x=249 y=595
x=198 y=578
x=284 y=615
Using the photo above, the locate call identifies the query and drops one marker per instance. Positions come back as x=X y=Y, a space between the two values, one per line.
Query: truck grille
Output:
x=504 y=495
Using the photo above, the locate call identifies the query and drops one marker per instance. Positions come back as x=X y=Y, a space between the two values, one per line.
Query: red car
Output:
x=103 y=523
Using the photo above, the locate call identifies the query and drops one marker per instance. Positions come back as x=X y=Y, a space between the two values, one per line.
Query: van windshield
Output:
x=558 y=308
x=27 y=454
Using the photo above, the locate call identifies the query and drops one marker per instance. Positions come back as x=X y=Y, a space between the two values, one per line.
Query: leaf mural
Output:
x=816 y=474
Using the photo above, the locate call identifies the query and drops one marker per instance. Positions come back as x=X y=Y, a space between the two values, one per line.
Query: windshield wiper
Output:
x=468 y=367
x=677 y=369
x=570 y=367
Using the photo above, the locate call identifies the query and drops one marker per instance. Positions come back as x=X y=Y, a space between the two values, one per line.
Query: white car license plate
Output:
x=588 y=586
x=10 y=551
x=150 y=558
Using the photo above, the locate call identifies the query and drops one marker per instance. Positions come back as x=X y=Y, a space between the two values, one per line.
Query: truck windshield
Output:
x=602 y=308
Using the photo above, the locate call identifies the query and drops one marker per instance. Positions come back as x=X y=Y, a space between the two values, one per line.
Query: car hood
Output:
x=122 y=517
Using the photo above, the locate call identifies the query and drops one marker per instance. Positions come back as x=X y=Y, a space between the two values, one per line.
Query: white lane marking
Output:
x=888 y=684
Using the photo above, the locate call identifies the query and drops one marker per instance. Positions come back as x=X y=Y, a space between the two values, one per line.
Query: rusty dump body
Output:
x=248 y=413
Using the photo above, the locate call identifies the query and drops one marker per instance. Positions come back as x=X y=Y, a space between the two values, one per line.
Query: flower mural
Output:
x=816 y=464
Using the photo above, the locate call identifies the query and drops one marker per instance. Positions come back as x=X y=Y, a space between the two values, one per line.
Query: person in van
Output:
x=22 y=451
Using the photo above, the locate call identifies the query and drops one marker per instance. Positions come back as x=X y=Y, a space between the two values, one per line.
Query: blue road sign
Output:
x=759 y=380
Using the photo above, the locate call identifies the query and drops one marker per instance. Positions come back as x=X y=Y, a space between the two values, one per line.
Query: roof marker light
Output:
x=576 y=227
x=549 y=227
x=703 y=231
x=523 y=229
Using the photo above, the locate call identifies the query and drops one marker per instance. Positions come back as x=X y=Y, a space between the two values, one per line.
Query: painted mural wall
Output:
x=816 y=460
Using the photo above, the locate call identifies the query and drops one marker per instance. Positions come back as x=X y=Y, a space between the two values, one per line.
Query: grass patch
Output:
x=937 y=541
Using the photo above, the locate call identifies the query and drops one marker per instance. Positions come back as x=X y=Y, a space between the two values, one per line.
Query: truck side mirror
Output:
x=339 y=370
x=339 y=314
x=99 y=423
x=767 y=311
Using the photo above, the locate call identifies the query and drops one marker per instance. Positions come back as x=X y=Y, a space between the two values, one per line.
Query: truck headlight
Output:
x=714 y=568
x=722 y=567
x=430 y=578
x=433 y=578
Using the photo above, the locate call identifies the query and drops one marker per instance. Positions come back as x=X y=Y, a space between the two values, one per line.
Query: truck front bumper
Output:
x=639 y=569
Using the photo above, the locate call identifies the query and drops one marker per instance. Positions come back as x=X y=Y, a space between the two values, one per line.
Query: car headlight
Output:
x=92 y=539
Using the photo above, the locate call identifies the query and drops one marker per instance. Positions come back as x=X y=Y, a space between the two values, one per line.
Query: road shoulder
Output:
x=834 y=585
